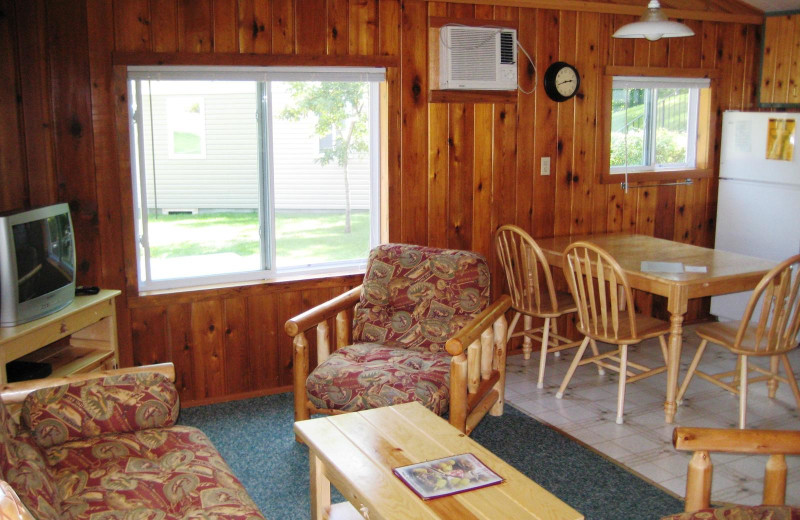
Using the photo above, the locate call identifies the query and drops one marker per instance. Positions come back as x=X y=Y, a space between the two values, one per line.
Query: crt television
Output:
x=37 y=263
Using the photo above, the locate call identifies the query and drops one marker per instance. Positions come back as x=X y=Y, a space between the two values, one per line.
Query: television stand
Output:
x=81 y=337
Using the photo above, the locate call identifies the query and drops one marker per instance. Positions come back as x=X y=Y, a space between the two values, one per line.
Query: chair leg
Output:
x=663 y=343
x=527 y=342
x=792 y=380
x=596 y=352
x=623 y=377
x=572 y=368
x=690 y=372
x=513 y=326
x=554 y=326
x=772 y=382
x=543 y=357
x=742 y=391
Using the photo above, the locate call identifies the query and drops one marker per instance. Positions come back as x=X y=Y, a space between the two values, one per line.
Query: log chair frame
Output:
x=775 y=443
x=477 y=366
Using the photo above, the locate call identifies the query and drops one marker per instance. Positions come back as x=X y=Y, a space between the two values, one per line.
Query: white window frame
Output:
x=652 y=83
x=266 y=192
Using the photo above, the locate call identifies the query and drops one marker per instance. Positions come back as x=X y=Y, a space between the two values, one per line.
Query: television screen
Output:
x=44 y=253
x=37 y=263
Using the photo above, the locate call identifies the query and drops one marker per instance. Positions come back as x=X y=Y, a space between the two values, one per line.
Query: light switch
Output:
x=545 y=168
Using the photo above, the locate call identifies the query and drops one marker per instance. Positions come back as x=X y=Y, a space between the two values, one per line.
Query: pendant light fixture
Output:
x=653 y=25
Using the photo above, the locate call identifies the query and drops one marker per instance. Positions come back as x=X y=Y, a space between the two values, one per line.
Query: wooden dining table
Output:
x=725 y=272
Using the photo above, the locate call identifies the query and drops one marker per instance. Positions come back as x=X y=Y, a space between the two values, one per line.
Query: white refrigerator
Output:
x=758 y=209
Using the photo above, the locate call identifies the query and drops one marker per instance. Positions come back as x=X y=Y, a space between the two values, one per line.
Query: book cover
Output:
x=447 y=476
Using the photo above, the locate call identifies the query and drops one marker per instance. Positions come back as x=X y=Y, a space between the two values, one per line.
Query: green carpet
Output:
x=255 y=437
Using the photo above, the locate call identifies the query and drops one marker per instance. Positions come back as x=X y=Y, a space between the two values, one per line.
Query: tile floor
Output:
x=643 y=442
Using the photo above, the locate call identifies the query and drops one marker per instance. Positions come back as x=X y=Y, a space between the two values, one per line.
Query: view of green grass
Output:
x=675 y=108
x=300 y=237
x=670 y=135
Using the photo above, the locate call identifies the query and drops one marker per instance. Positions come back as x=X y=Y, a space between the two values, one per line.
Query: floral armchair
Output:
x=422 y=330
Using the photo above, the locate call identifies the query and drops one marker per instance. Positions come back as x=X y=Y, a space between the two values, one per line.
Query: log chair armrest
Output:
x=703 y=441
x=764 y=442
x=304 y=321
x=473 y=330
x=12 y=393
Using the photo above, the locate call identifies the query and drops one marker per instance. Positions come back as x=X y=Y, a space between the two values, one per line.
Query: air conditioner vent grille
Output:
x=473 y=57
x=506 y=47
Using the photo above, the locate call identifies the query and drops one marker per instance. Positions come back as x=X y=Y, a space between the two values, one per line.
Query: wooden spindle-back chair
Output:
x=773 y=335
x=606 y=313
x=533 y=294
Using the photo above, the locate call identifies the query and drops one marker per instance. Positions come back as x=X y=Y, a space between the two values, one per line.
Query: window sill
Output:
x=346 y=276
x=651 y=176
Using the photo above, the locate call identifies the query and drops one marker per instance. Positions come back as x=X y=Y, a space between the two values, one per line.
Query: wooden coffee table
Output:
x=357 y=451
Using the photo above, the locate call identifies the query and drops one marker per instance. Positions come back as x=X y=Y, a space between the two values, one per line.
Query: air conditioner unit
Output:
x=477 y=58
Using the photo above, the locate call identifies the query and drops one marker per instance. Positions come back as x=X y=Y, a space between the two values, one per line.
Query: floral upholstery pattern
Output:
x=158 y=473
x=368 y=375
x=418 y=297
x=114 y=404
x=116 y=455
x=23 y=466
x=741 y=513
x=413 y=300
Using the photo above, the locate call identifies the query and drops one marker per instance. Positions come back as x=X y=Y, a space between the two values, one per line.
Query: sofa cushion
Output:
x=368 y=375
x=7 y=424
x=23 y=467
x=156 y=473
x=113 y=404
x=418 y=297
x=741 y=513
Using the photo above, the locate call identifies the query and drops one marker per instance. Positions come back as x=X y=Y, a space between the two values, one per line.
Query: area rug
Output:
x=255 y=437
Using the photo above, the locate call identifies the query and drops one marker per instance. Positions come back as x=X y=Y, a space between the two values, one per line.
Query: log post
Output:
x=474 y=366
x=342 y=330
x=698 y=481
x=775 y=481
x=500 y=327
x=487 y=352
x=300 y=375
x=323 y=341
x=458 y=392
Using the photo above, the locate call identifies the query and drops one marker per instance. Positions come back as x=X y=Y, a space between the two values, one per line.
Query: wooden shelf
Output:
x=79 y=338
x=69 y=359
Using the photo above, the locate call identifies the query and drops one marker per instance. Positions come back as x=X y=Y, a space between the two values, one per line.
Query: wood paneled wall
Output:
x=456 y=171
x=780 y=74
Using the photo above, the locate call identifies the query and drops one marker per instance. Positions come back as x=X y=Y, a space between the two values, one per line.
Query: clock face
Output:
x=566 y=81
x=561 y=81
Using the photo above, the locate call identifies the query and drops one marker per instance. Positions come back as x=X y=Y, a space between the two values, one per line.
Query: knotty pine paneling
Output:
x=455 y=171
x=780 y=71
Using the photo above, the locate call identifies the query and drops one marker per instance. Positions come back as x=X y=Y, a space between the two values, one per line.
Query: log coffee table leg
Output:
x=320 y=488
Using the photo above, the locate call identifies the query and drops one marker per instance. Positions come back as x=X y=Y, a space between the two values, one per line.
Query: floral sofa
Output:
x=108 y=448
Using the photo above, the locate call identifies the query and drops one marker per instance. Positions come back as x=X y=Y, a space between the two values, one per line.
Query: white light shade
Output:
x=653 y=26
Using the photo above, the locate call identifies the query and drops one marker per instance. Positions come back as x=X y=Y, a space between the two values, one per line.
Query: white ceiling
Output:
x=771 y=6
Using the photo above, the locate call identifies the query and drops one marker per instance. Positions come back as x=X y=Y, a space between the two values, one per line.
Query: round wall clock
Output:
x=561 y=81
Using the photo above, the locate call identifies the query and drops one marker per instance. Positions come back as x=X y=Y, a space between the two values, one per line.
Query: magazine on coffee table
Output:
x=447 y=476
